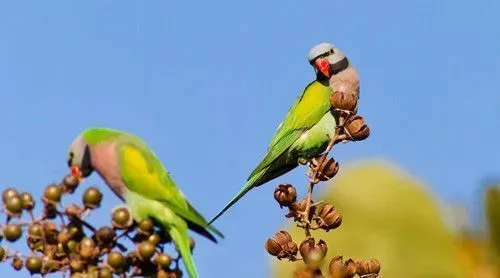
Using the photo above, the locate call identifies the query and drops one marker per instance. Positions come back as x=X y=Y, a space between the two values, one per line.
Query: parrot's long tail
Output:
x=181 y=240
x=251 y=183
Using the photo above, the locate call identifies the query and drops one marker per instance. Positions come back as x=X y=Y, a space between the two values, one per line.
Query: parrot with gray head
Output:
x=136 y=175
x=309 y=124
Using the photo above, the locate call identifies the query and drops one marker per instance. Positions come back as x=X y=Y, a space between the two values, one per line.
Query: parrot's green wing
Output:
x=305 y=112
x=143 y=173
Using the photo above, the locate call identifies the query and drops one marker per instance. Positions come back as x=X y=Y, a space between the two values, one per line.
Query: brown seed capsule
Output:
x=367 y=267
x=17 y=263
x=50 y=210
x=27 y=201
x=14 y=206
x=73 y=211
x=9 y=193
x=35 y=230
x=92 y=198
x=121 y=217
x=69 y=183
x=281 y=245
x=285 y=195
x=357 y=128
x=72 y=246
x=105 y=235
x=50 y=232
x=77 y=266
x=146 y=226
x=12 y=232
x=154 y=239
x=3 y=253
x=146 y=250
x=328 y=169
x=313 y=253
x=344 y=101
x=52 y=193
x=116 y=261
x=105 y=272
x=342 y=270
x=308 y=273
x=87 y=246
x=329 y=217
x=163 y=261
x=34 y=264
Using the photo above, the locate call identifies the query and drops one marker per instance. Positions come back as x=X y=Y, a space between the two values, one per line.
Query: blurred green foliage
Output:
x=393 y=217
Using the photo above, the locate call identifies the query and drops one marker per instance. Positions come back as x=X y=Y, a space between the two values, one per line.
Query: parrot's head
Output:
x=327 y=60
x=79 y=158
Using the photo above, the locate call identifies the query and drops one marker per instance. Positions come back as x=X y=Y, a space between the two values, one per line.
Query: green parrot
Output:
x=136 y=175
x=309 y=123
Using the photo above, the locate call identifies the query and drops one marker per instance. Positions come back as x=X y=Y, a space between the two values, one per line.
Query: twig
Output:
x=339 y=129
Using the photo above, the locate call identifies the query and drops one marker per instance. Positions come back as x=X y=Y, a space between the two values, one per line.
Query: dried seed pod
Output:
x=163 y=261
x=145 y=250
x=17 y=263
x=328 y=169
x=313 y=253
x=35 y=230
x=52 y=194
x=3 y=253
x=105 y=235
x=367 y=267
x=92 y=198
x=87 y=247
x=34 y=264
x=9 y=193
x=50 y=232
x=308 y=273
x=27 y=201
x=50 y=210
x=72 y=246
x=342 y=270
x=121 y=217
x=154 y=239
x=69 y=183
x=344 y=101
x=14 y=206
x=73 y=211
x=285 y=195
x=146 y=226
x=105 y=272
x=116 y=261
x=12 y=232
x=281 y=245
x=77 y=265
x=329 y=217
x=357 y=128
x=75 y=230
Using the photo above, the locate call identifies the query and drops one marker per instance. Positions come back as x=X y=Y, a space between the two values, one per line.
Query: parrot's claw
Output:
x=302 y=161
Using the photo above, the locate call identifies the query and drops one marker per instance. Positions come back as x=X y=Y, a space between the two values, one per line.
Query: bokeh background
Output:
x=206 y=83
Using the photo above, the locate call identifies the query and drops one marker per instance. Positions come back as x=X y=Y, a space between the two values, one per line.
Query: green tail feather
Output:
x=181 y=241
x=251 y=183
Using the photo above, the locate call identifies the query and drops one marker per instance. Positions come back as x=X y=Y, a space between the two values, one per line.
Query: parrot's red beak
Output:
x=323 y=66
x=75 y=172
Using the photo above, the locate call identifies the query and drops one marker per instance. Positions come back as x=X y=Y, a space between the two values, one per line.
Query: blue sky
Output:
x=206 y=83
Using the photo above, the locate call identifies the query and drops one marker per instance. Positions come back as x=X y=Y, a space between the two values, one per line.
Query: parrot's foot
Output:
x=303 y=161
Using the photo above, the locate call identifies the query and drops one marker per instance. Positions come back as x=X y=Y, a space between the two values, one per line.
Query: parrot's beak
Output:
x=323 y=66
x=75 y=172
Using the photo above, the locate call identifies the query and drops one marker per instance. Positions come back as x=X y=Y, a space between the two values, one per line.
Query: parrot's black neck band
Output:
x=339 y=66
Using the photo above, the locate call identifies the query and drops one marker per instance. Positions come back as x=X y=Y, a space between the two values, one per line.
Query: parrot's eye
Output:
x=331 y=51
